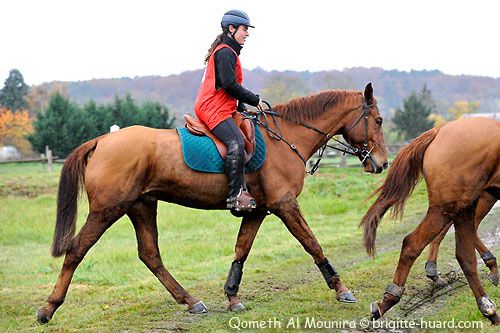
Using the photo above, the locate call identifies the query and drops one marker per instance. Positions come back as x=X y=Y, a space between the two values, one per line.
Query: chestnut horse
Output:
x=128 y=171
x=460 y=162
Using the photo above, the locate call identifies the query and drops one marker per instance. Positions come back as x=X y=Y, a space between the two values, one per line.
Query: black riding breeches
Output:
x=231 y=136
x=234 y=167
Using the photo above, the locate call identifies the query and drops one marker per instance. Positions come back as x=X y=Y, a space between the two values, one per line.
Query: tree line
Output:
x=38 y=118
x=64 y=125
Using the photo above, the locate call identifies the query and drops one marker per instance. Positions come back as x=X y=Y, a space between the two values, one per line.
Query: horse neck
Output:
x=308 y=141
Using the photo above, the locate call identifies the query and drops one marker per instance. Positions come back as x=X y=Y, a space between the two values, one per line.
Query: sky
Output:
x=76 y=40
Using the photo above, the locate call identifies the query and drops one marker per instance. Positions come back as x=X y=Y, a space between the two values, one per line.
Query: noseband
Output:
x=262 y=119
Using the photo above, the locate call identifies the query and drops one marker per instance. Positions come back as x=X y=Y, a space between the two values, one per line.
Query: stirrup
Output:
x=243 y=202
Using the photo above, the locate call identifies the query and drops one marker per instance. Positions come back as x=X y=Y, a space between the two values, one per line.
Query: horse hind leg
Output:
x=431 y=270
x=413 y=245
x=97 y=223
x=484 y=205
x=467 y=259
x=143 y=217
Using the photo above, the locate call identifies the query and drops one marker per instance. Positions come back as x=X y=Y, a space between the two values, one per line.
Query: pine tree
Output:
x=153 y=114
x=12 y=95
x=63 y=127
x=413 y=120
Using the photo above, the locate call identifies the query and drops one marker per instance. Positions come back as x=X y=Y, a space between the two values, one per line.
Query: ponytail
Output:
x=217 y=42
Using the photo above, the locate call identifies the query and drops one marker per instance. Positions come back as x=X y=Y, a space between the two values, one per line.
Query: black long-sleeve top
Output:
x=225 y=75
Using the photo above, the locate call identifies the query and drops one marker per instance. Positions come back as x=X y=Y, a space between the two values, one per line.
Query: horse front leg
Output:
x=248 y=230
x=287 y=209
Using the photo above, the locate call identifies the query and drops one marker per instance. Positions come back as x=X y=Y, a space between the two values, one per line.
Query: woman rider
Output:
x=221 y=94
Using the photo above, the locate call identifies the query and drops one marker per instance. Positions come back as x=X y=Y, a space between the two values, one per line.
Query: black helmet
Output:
x=235 y=18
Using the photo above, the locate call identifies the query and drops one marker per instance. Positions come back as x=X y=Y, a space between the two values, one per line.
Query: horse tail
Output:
x=71 y=181
x=404 y=174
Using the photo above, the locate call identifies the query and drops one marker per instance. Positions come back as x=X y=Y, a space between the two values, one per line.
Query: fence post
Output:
x=48 y=155
x=343 y=161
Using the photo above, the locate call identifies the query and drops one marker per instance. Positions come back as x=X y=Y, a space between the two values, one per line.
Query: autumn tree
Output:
x=14 y=127
x=12 y=95
x=437 y=119
x=460 y=108
x=37 y=99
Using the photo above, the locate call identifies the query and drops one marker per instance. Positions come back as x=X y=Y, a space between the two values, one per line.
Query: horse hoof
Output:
x=493 y=279
x=374 y=311
x=494 y=319
x=236 y=307
x=346 y=297
x=198 y=308
x=431 y=270
x=42 y=317
x=440 y=283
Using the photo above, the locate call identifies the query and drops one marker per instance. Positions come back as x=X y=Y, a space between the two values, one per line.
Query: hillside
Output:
x=391 y=87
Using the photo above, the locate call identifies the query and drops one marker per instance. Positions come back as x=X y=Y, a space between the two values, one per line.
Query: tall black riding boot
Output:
x=238 y=197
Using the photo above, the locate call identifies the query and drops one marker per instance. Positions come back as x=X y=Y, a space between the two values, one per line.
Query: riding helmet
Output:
x=235 y=18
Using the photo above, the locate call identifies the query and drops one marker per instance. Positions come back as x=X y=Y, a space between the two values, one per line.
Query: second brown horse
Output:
x=460 y=162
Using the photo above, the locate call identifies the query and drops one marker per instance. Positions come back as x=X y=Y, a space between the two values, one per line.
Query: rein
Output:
x=262 y=118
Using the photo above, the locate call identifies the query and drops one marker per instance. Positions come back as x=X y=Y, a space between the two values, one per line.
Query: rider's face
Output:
x=241 y=34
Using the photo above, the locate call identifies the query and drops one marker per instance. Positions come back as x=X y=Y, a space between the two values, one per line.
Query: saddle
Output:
x=246 y=127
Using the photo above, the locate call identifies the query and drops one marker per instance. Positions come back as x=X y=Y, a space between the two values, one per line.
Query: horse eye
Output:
x=378 y=121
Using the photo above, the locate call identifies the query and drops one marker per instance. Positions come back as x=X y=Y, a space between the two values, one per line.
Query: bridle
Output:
x=262 y=118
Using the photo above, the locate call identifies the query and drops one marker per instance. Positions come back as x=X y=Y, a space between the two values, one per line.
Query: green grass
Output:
x=113 y=291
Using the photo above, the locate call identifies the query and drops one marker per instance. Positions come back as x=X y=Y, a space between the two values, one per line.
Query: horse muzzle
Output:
x=371 y=165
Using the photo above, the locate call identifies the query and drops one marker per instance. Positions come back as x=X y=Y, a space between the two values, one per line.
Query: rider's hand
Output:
x=260 y=106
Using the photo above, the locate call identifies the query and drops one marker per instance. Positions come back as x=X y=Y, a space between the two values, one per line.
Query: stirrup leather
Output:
x=242 y=202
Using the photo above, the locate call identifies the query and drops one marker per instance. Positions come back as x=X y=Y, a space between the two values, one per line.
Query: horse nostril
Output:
x=385 y=165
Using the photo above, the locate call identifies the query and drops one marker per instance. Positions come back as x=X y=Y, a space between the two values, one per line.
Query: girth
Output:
x=245 y=125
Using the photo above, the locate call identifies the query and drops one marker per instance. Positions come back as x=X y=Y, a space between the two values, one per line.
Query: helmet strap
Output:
x=233 y=33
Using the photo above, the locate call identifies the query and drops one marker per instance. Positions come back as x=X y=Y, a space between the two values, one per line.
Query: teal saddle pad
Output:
x=201 y=154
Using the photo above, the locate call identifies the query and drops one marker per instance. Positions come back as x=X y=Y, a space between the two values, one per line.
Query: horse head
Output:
x=363 y=131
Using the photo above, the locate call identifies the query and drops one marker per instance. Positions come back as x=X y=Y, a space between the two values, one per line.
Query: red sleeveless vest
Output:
x=215 y=105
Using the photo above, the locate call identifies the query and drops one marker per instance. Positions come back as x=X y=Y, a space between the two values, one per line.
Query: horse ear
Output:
x=369 y=92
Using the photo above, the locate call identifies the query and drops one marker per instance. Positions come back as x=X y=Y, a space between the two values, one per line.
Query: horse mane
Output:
x=309 y=107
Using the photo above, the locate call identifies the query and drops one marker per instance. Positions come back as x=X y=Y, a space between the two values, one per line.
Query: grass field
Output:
x=112 y=291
